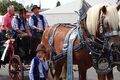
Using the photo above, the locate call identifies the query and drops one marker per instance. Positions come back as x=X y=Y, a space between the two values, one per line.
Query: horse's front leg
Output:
x=82 y=73
x=101 y=77
x=64 y=71
x=58 y=69
x=110 y=75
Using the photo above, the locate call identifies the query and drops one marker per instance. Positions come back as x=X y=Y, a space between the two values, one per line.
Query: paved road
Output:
x=4 y=75
x=91 y=75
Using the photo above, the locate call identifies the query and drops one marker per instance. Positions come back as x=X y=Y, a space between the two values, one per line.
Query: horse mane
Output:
x=93 y=16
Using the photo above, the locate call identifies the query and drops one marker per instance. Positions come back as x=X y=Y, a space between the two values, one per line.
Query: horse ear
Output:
x=104 y=10
x=118 y=7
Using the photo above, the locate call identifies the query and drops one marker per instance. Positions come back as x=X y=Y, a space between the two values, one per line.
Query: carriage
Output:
x=18 y=57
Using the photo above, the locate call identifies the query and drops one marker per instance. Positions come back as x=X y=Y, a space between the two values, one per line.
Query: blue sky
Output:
x=44 y=3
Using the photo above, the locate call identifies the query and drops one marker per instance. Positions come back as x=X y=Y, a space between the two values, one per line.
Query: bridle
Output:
x=105 y=30
x=98 y=45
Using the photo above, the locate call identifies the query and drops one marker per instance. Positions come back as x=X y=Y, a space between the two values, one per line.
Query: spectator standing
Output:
x=39 y=66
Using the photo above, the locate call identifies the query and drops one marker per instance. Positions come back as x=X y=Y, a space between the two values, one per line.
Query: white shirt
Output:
x=40 y=69
x=14 y=24
x=31 y=22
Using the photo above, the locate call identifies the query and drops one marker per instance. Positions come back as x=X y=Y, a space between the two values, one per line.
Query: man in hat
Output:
x=39 y=66
x=21 y=31
x=20 y=24
x=37 y=23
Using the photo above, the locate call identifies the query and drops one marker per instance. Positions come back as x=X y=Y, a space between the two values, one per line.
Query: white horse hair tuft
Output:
x=93 y=14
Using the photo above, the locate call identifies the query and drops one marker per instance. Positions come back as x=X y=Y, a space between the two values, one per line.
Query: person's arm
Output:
x=31 y=70
x=44 y=62
x=15 y=27
x=46 y=23
x=46 y=65
x=28 y=29
x=14 y=24
x=28 y=32
x=31 y=23
x=4 y=22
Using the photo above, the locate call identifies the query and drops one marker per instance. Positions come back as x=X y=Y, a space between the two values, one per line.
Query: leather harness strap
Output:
x=63 y=54
x=51 y=39
x=66 y=41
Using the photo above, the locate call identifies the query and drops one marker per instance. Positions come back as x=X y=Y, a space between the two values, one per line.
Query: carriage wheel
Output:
x=52 y=69
x=15 y=68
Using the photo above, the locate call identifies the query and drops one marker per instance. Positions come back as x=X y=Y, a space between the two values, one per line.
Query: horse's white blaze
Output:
x=93 y=14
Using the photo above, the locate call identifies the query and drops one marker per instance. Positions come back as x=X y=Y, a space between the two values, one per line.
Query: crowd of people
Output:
x=33 y=27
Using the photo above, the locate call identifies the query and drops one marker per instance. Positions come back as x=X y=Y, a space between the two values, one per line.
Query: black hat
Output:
x=35 y=6
x=41 y=47
x=23 y=10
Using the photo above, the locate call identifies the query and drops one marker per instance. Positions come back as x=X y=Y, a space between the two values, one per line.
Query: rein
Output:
x=99 y=51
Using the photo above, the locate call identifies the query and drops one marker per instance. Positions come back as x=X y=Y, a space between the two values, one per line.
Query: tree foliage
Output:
x=58 y=4
x=29 y=7
x=5 y=4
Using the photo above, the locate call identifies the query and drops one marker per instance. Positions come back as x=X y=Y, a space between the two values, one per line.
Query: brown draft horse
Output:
x=110 y=76
x=80 y=57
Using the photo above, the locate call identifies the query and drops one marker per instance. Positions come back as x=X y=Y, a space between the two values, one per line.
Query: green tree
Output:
x=58 y=4
x=5 y=4
x=29 y=7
